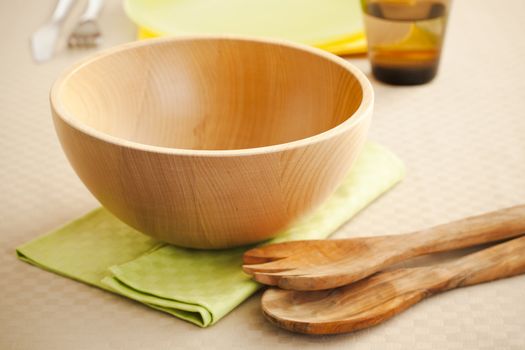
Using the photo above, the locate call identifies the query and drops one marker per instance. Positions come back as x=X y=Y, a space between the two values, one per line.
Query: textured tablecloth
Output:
x=462 y=138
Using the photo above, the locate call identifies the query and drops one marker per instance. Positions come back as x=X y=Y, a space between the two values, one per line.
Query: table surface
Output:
x=462 y=138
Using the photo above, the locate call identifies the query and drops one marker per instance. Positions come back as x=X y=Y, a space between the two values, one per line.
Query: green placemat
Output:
x=198 y=286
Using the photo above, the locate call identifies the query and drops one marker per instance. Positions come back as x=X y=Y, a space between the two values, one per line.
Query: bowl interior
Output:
x=211 y=94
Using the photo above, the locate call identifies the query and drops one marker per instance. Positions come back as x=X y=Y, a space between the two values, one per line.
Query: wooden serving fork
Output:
x=377 y=298
x=324 y=264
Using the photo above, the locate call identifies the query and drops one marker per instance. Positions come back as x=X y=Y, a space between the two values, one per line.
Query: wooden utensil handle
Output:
x=500 y=261
x=489 y=227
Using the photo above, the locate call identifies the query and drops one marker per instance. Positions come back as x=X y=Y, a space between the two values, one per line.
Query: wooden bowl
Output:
x=211 y=142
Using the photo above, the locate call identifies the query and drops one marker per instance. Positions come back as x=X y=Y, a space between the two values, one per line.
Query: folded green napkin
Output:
x=196 y=285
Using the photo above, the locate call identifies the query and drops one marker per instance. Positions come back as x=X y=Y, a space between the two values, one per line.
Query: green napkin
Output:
x=198 y=286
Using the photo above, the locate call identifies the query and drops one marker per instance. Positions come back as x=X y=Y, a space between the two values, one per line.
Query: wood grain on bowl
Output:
x=211 y=142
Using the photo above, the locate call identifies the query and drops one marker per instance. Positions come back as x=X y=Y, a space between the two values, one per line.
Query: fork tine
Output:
x=85 y=35
x=296 y=279
x=282 y=250
x=269 y=279
x=269 y=253
x=71 y=42
x=275 y=276
x=86 y=32
x=274 y=266
x=318 y=275
x=90 y=41
x=303 y=263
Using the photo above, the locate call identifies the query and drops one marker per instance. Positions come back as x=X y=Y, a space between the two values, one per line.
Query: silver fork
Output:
x=87 y=32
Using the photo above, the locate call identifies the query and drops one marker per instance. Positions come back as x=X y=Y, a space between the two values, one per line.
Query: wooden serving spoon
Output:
x=377 y=298
x=324 y=264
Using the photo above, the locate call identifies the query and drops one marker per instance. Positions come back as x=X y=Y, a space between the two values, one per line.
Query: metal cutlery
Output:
x=43 y=41
x=87 y=32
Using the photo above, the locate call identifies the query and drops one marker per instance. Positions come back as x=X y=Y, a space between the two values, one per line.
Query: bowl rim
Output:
x=364 y=109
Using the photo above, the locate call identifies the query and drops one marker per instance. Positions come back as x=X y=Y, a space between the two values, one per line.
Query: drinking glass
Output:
x=405 y=38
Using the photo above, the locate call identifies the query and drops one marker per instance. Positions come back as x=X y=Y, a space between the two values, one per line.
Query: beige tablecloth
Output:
x=462 y=138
